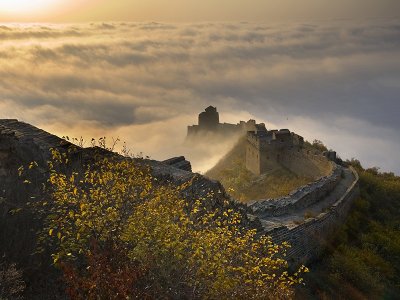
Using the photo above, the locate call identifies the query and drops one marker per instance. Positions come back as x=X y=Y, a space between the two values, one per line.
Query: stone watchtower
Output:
x=209 y=125
x=209 y=119
x=267 y=148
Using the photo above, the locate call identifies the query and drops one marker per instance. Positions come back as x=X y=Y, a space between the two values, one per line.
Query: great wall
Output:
x=306 y=218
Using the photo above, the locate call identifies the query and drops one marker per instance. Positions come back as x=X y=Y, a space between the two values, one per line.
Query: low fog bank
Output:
x=158 y=140
x=145 y=82
x=165 y=139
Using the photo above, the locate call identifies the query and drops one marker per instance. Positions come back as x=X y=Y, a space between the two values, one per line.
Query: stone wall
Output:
x=308 y=163
x=308 y=239
x=253 y=159
x=301 y=198
x=266 y=150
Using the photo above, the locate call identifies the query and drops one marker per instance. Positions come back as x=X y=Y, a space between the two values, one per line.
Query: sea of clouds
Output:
x=336 y=81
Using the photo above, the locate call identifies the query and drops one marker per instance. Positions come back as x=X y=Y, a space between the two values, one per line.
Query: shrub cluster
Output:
x=116 y=232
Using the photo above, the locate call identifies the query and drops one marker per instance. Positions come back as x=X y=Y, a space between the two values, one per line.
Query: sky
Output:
x=329 y=72
x=192 y=10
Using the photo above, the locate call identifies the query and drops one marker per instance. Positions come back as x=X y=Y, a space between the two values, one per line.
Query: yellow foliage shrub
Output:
x=188 y=250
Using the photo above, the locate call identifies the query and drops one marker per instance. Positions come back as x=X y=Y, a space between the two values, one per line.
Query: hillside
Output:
x=244 y=186
x=30 y=161
x=88 y=223
x=363 y=262
x=168 y=212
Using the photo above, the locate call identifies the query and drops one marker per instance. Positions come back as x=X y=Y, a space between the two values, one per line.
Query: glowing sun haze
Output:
x=24 y=8
x=192 y=10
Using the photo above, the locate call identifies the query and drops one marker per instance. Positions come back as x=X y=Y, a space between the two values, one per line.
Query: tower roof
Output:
x=211 y=108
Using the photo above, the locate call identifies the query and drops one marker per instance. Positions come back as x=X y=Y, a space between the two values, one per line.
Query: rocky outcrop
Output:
x=179 y=162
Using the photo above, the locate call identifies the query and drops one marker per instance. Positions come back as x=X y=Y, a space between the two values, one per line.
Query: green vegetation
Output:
x=117 y=233
x=364 y=260
x=319 y=145
x=244 y=186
